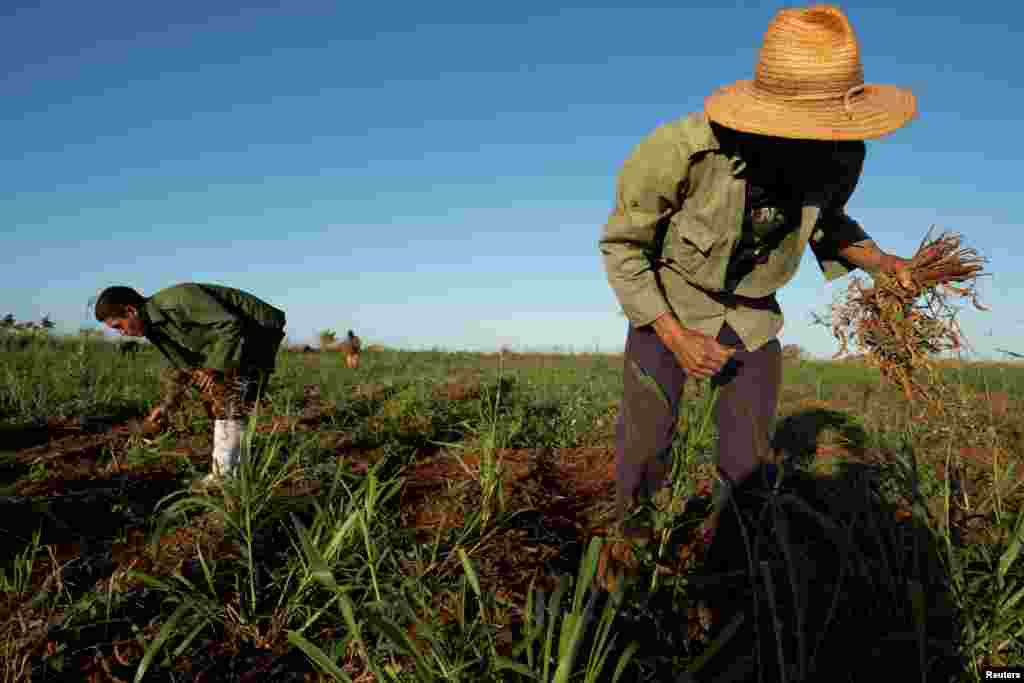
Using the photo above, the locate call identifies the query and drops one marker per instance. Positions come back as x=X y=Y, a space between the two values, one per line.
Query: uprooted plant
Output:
x=902 y=329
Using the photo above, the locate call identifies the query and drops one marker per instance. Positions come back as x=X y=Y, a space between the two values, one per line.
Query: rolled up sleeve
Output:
x=648 y=192
x=835 y=229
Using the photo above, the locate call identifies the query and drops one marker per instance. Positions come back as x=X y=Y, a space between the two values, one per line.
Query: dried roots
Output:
x=901 y=330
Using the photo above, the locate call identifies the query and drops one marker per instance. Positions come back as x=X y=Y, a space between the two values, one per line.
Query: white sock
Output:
x=227 y=446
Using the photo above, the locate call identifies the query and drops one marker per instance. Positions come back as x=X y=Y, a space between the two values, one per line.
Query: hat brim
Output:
x=875 y=111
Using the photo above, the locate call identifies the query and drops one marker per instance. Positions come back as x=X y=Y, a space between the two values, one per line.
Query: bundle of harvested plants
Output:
x=902 y=327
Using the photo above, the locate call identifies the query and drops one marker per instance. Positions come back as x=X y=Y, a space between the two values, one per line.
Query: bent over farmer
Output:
x=712 y=215
x=219 y=340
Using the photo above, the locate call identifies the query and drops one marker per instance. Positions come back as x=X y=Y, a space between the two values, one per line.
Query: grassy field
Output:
x=436 y=517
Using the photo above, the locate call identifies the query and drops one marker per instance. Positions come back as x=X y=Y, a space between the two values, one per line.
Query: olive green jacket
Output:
x=209 y=326
x=679 y=215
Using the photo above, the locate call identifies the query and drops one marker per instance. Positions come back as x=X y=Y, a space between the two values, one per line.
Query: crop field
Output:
x=436 y=516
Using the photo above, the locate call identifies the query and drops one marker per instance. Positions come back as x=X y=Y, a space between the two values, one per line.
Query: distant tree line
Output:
x=9 y=323
x=15 y=334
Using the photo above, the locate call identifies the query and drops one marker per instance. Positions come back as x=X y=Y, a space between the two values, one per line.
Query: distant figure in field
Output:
x=219 y=340
x=351 y=348
x=128 y=348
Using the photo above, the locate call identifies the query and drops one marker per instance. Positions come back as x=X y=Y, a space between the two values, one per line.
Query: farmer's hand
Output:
x=154 y=423
x=698 y=354
x=157 y=415
x=900 y=267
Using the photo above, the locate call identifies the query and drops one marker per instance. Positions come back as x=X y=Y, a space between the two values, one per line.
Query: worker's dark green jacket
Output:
x=210 y=326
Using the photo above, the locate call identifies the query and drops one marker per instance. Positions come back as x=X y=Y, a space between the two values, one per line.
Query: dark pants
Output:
x=259 y=350
x=653 y=388
x=257 y=364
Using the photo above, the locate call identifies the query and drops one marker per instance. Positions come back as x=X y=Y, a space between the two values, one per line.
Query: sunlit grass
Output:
x=331 y=572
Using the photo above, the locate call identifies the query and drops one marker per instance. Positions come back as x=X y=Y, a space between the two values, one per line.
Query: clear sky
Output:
x=437 y=174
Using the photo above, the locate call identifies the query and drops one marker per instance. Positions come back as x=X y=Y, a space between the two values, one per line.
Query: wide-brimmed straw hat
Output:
x=809 y=84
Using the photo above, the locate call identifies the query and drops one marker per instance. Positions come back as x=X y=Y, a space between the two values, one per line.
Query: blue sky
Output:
x=437 y=174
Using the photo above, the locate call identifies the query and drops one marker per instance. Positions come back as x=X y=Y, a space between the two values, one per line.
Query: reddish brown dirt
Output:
x=87 y=473
x=282 y=423
x=370 y=392
x=459 y=387
x=1000 y=404
x=22 y=437
x=573 y=481
x=826 y=453
x=976 y=456
x=75 y=458
x=565 y=498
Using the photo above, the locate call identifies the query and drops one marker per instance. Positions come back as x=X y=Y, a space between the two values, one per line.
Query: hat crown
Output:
x=809 y=54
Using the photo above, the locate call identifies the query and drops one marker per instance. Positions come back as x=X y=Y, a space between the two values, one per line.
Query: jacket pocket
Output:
x=690 y=244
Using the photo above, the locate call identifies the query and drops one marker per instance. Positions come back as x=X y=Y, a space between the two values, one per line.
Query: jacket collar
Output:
x=151 y=313
x=703 y=140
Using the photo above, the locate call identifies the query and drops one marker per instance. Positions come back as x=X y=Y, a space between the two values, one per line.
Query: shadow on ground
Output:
x=87 y=515
x=15 y=437
x=797 y=435
x=842 y=568
x=844 y=578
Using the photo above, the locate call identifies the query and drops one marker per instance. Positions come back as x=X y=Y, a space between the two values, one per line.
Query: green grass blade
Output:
x=782 y=529
x=189 y=638
x=919 y=609
x=717 y=644
x=402 y=641
x=165 y=632
x=553 y=612
x=319 y=657
x=503 y=663
x=471 y=575
x=624 y=660
x=316 y=561
x=1009 y=556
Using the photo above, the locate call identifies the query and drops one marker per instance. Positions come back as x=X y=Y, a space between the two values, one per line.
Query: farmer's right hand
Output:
x=698 y=354
x=156 y=416
x=155 y=422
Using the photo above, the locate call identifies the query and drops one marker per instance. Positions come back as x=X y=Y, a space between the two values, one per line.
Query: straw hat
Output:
x=809 y=84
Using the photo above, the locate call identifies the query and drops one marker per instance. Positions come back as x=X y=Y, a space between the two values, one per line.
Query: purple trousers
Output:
x=653 y=388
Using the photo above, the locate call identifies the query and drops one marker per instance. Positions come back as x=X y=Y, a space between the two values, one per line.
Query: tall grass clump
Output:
x=60 y=378
x=250 y=508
